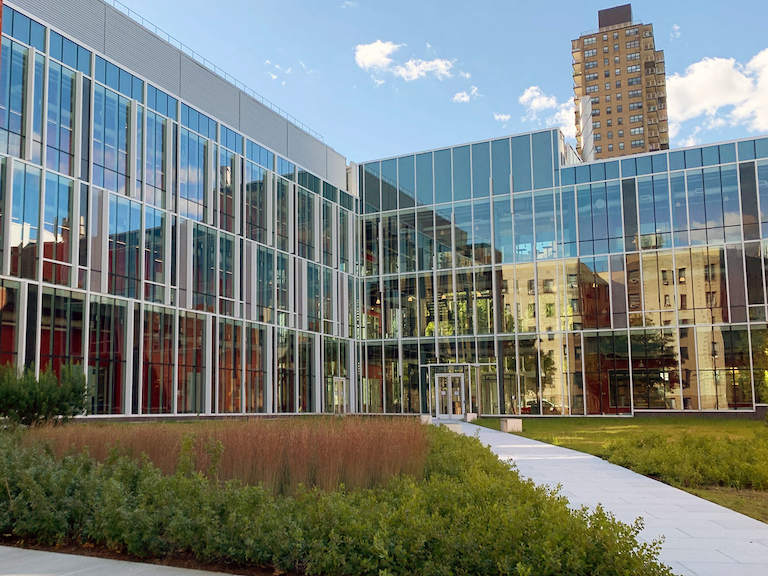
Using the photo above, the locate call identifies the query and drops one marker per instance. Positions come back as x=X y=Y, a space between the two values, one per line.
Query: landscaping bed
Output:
x=464 y=512
x=724 y=461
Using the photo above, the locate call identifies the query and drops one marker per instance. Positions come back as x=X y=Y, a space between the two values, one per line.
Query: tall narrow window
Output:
x=13 y=69
x=111 y=136
x=61 y=119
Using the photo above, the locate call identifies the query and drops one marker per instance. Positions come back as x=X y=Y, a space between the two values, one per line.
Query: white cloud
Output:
x=416 y=68
x=559 y=114
x=675 y=32
x=720 y=92
x=273 y=76
x=429 y=45
x=283 y=70
x=691 y=139
x=465 y=75
x=375 y=55
x=535 y=101
x=503 y=118
x=307 y=69
x=461 y=97
x=378 y=81
x=267 y=62
x=565 y=119
x=347 y=4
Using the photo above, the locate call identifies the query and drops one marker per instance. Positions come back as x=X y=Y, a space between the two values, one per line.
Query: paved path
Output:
x=19 y=562
x=701 y=538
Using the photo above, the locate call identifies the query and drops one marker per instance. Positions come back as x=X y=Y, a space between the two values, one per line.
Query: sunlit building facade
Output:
x=198 y=251
x=502 y=277
x=189 y=246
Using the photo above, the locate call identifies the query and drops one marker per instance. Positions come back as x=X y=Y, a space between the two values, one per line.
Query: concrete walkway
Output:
x=19 y=562
x=701 y=538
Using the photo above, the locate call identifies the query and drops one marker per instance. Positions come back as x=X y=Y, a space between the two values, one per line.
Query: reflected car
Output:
x=547 y=407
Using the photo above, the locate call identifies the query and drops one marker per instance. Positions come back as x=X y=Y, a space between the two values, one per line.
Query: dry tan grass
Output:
x=280 y=454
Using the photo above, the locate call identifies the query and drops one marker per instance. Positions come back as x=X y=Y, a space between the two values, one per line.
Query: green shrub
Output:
x=695 y=460
x=471 y=514
x=27 y=400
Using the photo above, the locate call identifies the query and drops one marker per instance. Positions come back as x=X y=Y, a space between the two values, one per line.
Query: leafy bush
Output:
x=696 y=460
x=470 y=514
x=26 y=400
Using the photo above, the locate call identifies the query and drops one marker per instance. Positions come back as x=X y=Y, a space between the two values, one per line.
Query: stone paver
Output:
x=20 y=562
x=701 y=538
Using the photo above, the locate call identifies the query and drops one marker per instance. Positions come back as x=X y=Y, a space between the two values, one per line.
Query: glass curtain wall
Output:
x=192 y=239
x=633 y=284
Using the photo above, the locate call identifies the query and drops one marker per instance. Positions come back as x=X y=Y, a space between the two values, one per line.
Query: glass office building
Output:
x=501 y=278
x=196 y=251
x=191 y=249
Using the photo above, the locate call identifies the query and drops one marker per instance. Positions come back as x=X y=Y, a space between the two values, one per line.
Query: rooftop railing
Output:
x=612 y=27
x=211 y=66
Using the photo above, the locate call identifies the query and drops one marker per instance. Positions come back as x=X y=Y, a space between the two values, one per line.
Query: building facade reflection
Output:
x=603 y=288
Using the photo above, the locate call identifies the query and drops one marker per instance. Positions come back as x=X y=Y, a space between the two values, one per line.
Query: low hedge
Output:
x=695 y=460
x=469 y=515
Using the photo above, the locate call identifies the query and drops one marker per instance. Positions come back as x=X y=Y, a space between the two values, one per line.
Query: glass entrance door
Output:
x=449 y=395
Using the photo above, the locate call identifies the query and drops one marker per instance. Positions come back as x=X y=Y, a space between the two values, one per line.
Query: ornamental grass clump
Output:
x=279 y=454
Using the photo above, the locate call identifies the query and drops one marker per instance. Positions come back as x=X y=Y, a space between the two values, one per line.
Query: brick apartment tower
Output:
x=619 y=82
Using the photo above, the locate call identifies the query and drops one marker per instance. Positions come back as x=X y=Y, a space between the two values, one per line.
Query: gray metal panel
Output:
x=263 y=125
x=306 y=151
x=336 y=170
x=209 y=93
x=81 y=19
x=135 y=47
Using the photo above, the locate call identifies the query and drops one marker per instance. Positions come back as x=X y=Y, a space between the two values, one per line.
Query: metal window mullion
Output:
x=210 y=182
x=236 y=181
x=208 y=363
x=139 y=378
x=241 y=327
x=167 y=162
x=319 y=369
x=132 y=150
x=130 y=348
x=8 y=213
x=44 y=113
x=74 y=235
x=216 y=363
x=77 y=128
x=292 y=210
x=21 y=334
x=29 y=105
x=175 y=370
x=296 y=372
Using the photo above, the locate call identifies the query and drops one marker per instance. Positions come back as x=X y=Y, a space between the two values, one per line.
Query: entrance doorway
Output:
x=449 y=396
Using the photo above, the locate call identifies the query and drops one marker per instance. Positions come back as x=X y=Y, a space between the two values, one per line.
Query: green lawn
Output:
x=591 y=434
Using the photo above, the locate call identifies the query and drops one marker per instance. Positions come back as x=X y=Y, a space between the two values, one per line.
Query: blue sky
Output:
x=378 y=79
